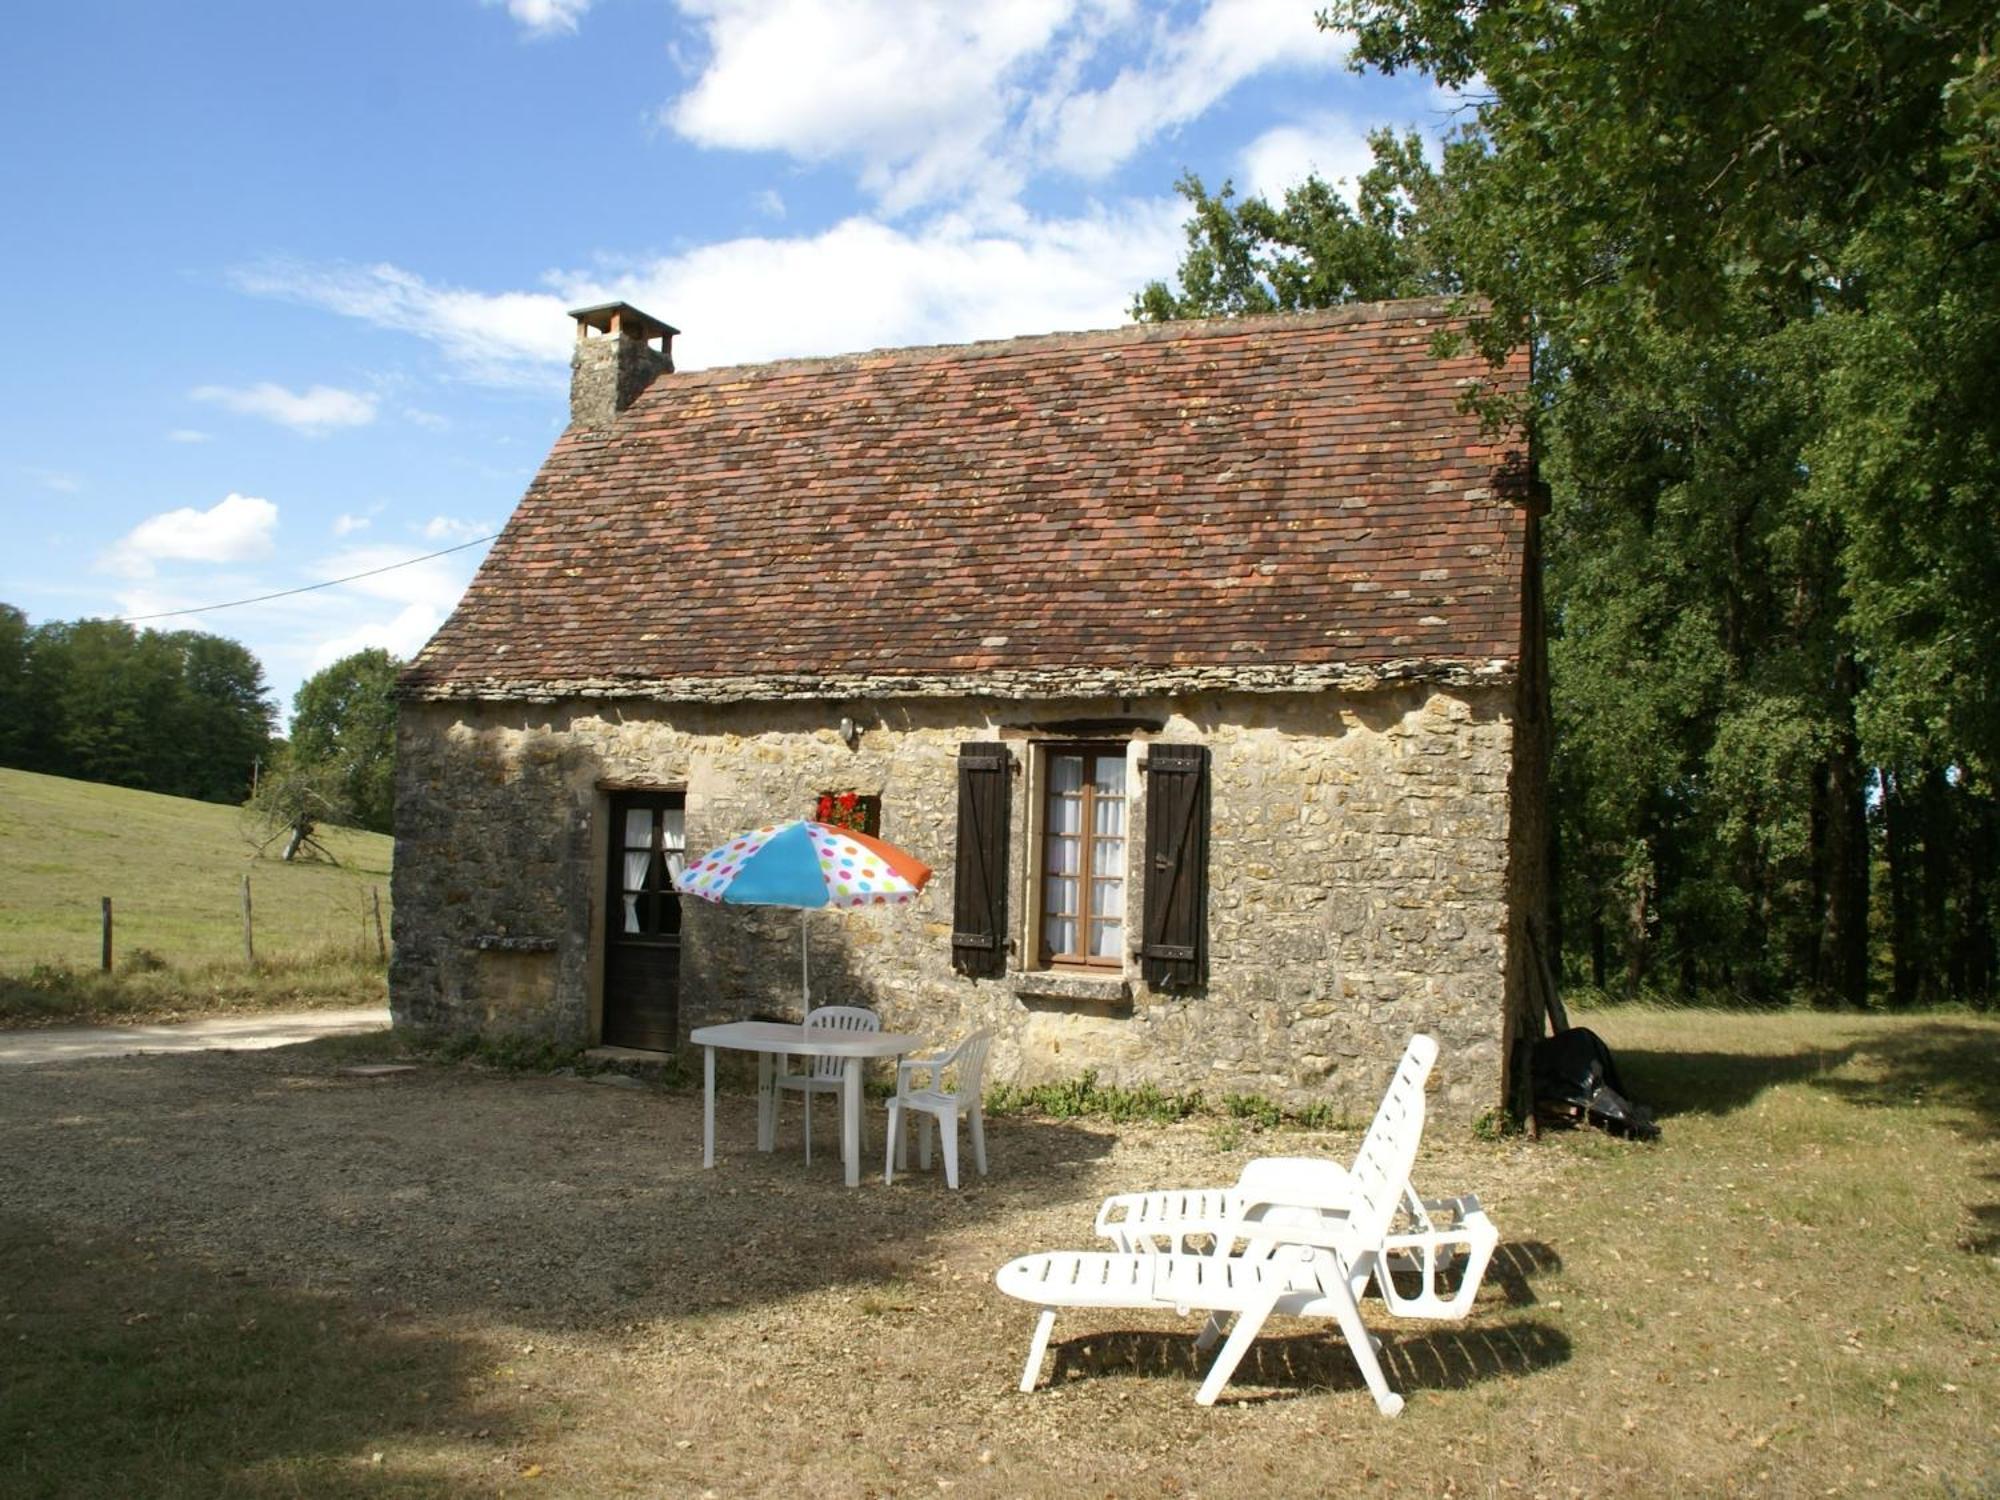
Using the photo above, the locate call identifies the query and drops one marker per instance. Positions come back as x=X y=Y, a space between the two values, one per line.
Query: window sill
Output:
x=1047 y=986
x=500 y=942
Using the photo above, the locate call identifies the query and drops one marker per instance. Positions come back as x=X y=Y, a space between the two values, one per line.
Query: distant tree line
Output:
x=189 y=714
x=1753 y=250
x=178 y=711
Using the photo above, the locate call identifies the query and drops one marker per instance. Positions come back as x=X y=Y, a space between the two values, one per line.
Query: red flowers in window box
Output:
x=849 y=810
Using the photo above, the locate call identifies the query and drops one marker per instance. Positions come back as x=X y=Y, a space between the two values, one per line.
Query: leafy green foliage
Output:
x=1312 y=250
x=344 y=732
x=1083 y=1097
x=1753 y=251
x=178 y=712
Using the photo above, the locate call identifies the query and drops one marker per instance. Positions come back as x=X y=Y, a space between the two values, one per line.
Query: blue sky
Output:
x=284 y=284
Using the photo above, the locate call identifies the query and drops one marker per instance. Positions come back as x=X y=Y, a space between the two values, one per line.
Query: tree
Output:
x=222 y=725
x=183 y=713
x=1805 y=200
x=1752 y=248
x=19 y=717
x=344 y=717
x=1313 y=250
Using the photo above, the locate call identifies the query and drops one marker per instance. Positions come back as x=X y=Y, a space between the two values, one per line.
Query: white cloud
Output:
x=498 y=339
x=313 y=412
x=236 y=528
x=1185 y=73
x=911 y=89
x=345 y=524
x=58 y=480
x=963 y=103
x=452 y=529
x=402 y=635
x=416 y=416
x=1334 y=148
x=861 y=284
x=187 y=435
x=545 y=17
x=436 y=581
x=770 y=204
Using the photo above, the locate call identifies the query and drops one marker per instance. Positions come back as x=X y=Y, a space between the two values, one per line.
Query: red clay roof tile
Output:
x=1196 y=502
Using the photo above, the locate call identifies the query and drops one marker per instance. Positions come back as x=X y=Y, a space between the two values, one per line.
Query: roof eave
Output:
x=1067 y=682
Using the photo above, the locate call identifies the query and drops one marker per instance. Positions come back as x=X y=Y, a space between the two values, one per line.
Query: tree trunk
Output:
x=1936 y=804
x=1638 y=891
x=1843 y=966
x=1972 y=948
x=1897 y=812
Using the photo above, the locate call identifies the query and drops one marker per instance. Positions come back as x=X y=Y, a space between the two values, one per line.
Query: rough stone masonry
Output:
x=1358 y=885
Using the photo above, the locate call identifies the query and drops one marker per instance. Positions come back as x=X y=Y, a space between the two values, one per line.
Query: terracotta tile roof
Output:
x=1261 y=502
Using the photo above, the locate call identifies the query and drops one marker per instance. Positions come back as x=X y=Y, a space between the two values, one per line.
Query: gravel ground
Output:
x=639 y=1325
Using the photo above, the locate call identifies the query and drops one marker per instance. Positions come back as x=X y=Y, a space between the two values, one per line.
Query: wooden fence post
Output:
x=107 y=932
x=249 y=947
x=381 y=942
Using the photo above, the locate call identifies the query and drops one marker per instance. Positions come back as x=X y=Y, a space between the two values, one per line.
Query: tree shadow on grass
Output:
x=1984 y=1236
x=1939 y=1064
x=1718 y=1083
x=557 y=1203
x=130 y=1372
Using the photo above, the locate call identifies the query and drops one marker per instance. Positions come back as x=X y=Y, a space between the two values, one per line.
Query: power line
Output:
x=309 y=587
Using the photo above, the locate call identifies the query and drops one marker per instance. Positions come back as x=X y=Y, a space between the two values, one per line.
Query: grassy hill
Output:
x=174 y=870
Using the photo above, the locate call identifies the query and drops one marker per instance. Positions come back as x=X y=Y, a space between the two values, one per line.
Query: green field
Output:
x=174 y=872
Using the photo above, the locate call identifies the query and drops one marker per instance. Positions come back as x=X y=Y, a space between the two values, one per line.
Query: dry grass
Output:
x=258 y=1275
x=173 y=869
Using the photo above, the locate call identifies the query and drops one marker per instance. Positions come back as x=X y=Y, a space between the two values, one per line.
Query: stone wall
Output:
x=1359 y=881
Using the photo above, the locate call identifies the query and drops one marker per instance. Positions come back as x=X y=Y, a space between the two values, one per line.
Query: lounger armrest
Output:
x=1464 y=1246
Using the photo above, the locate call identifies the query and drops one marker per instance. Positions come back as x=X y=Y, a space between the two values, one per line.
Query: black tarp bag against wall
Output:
x=1574 y=1068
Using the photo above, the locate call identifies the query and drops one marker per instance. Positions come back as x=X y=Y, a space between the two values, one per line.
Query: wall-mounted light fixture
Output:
x=850 y=732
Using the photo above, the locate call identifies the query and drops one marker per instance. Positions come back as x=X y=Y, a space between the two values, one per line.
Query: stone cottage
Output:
x=1202 y=661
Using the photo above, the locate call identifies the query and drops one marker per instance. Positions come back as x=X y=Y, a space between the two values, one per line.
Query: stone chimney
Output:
x=619 y=351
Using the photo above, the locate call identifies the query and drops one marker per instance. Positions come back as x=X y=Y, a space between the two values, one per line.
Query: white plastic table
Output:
x=773 y=1039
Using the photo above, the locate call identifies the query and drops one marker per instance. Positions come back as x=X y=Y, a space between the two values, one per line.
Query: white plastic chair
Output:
x=967 y=1063
x=825 y=1074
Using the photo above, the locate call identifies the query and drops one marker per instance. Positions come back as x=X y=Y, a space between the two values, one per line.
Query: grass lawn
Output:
x=259 y=1275
x=174 y=870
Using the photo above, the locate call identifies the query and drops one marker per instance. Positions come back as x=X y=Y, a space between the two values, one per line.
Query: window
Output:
x=1083 y=856
x=651 y=852
x=1077 y=880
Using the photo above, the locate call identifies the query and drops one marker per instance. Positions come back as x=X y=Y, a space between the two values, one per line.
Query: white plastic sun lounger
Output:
x=1312 y=1254
x=1431 y=1237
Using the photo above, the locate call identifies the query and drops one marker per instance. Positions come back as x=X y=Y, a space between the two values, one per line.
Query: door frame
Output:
x=613 y=800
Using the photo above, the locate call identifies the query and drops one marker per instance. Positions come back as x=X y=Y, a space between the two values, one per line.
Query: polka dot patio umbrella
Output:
x=806 y=865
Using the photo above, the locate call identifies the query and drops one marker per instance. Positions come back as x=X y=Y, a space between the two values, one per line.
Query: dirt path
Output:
x=227 y=1033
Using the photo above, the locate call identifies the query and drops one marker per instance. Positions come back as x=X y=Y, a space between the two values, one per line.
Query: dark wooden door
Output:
x=642 y=940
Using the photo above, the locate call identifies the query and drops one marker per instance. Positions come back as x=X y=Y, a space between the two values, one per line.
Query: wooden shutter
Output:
x=1174 y=951
x=979 y=894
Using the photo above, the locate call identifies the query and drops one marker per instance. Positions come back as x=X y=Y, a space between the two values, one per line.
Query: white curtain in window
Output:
x=673 y=840
x=638 y=859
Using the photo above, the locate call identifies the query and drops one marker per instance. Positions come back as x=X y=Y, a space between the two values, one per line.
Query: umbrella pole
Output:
x=805 y=963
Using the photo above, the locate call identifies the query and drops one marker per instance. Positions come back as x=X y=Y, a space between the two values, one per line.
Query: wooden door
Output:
x=642 y=940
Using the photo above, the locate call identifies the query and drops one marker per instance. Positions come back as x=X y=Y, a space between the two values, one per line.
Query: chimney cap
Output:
x=621 y=318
